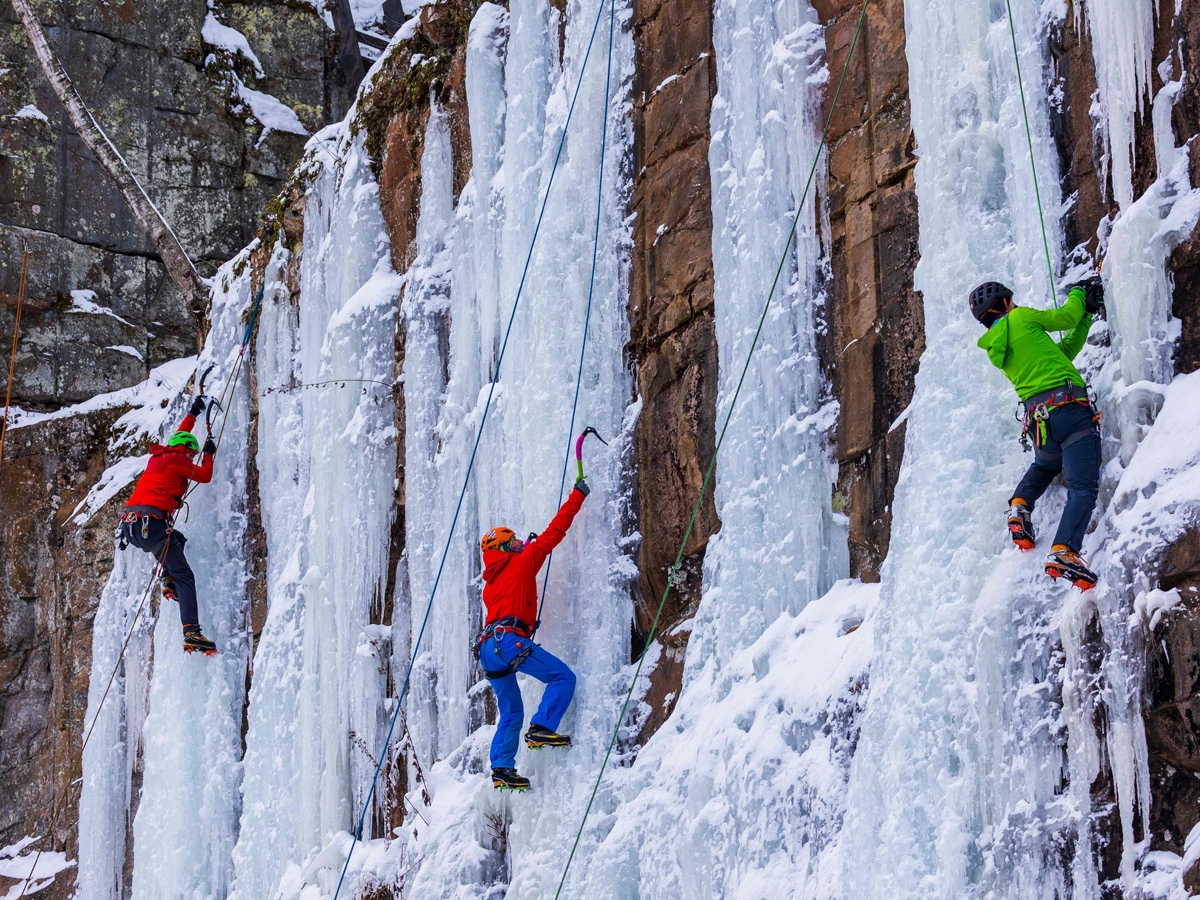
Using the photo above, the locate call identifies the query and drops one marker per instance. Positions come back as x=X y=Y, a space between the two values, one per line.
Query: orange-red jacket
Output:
x=510 y=579
x=166 y=478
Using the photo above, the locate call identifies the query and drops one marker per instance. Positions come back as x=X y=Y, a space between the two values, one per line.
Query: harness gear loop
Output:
x=1038 y=409
x=494 y=631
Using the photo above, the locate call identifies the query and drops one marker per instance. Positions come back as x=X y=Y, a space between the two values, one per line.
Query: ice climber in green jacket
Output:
x=1058 y=413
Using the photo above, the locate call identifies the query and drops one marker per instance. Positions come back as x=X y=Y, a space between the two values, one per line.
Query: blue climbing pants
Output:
x=495 y=655
x=1072 y=446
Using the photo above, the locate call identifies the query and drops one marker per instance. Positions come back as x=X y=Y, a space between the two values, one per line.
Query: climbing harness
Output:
x=787 y=245
x=478 y=437
x=141 y=515
x=12 y=360
x=1012 y=30
x=495 y=631
x=1037 y=414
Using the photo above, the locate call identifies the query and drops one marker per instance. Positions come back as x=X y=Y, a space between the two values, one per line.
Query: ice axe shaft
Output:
x=579 y=446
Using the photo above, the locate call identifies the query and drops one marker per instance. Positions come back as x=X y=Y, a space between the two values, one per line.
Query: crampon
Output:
x=537 y=737
x=1020 y=526
x=194 y=641
x=1064 y=562
x=508 y=780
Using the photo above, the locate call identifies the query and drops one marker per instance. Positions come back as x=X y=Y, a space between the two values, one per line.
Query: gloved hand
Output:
x=210 y=446
x=198 y=406
x=582 y=487
x=1093 y=300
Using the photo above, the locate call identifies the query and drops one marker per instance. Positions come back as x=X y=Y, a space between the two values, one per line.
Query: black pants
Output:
x=1072 y=446
x=174 y=563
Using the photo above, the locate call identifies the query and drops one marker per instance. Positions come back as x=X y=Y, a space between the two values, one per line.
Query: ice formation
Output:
x=955 y=785
x=938 y=726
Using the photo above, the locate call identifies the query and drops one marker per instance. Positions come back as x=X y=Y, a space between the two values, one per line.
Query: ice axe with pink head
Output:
x=579 y=446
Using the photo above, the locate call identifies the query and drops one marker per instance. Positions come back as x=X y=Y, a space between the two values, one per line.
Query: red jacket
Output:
x=510 y=579
x=166 y=478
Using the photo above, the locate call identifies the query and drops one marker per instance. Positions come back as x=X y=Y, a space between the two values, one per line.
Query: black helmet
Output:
x=986 y=301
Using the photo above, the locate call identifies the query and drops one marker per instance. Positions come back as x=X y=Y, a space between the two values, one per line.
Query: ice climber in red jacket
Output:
x=150 y=512
x=506 y=645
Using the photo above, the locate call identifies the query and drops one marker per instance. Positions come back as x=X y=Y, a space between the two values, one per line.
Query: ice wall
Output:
x=326 y=457
x=460 y=292
x=112 y=751
x=186 y=822
x=741 y=792
x=776 y=549
x=1132 y=383
x=955 y=785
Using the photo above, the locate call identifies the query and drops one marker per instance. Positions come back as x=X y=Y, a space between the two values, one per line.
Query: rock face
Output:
x=51 y=576
x=164 y=96
x=168 y=100
x=877 y=329
x=1186 y=260
x=673 y=342
x=1173 y=708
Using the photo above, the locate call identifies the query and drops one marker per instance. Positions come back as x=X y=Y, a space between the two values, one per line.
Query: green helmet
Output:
x=184 y=439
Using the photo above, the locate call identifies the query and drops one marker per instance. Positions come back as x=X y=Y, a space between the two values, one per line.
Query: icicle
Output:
x=1122 y=45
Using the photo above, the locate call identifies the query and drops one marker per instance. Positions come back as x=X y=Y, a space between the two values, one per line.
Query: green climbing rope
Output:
x=1032 y=165
x=712 y=465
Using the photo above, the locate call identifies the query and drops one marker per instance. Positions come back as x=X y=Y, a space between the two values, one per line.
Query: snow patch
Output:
x=84 y=302
x=19 y=865
x=229 y=40
x=115 y=479
x=31 y=112
x=127 y=350
x=150 y=401
x=271 y=113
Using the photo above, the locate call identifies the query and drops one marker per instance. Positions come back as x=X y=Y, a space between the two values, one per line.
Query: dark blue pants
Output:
x=495 y=655
x=174 y=563
x=1072 y=446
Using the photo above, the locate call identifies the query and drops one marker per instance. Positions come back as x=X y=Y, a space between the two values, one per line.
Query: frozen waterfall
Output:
x=955 y=786
x=929 y=737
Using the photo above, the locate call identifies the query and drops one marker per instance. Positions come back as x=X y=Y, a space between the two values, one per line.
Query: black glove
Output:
x=197 y=406
x=582 y=487
x=210 y=446
x=1093 y=300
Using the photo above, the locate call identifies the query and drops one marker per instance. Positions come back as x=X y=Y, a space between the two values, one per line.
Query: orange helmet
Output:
x=497 y=539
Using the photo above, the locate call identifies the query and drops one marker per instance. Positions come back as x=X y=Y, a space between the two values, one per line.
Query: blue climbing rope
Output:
x=471 y=464
x=612 y=18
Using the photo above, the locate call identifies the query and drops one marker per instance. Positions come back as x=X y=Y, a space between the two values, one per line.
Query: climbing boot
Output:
x=168 y=588
x=537 y=737
x=194 y=640
x=1020 y=525
x=508 y=780
x=1066 y=563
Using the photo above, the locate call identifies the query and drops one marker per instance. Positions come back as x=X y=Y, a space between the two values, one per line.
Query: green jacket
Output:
x=1018 y=345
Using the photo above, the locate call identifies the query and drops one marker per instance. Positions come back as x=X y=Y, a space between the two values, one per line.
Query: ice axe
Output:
x=579 y=446
x=212 y=401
